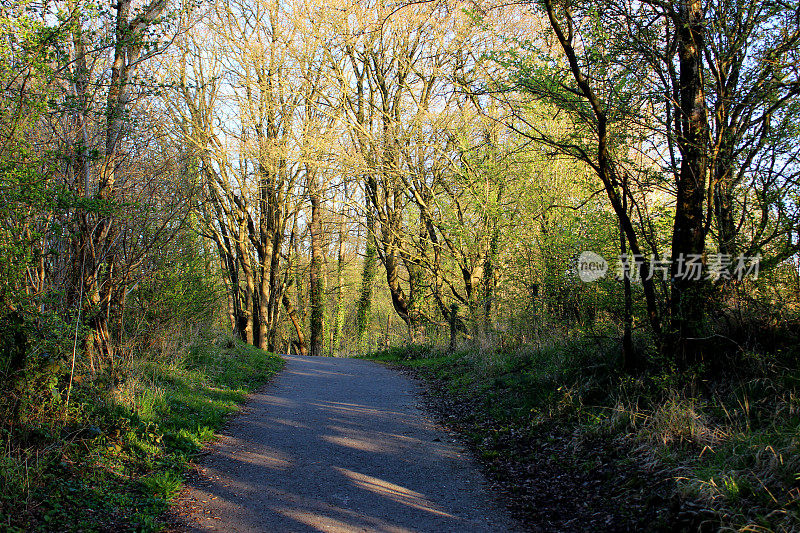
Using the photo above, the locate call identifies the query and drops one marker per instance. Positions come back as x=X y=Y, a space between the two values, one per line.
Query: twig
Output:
x=75 y=342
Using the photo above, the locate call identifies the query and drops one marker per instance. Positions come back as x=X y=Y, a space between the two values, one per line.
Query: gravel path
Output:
x=338 y=445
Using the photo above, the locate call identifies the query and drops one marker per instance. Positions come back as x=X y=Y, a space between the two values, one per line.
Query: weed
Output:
x=730 y=447
x=113 y=461
x=164 y=485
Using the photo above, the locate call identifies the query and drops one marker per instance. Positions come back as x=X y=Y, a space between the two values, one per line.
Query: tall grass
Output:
x=729 y=443
x=114 y=459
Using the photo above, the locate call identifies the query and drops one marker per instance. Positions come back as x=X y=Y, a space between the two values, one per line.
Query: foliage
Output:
x=470 y=153
x=182 y=288
x=116 y=459
x=727 y=451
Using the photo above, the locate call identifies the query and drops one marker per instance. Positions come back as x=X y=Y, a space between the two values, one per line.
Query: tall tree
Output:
x=639 y=77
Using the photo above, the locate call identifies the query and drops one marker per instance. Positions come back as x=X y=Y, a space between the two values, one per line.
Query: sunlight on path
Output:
x=338 y=445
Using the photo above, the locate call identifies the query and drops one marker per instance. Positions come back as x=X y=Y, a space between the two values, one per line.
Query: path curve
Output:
x=338 y=445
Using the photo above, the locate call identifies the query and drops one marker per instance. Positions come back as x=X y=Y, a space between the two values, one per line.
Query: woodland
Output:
x=188 y=188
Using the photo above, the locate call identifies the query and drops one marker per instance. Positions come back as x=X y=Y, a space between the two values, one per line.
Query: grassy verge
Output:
x=653 y=452
x=115 y=459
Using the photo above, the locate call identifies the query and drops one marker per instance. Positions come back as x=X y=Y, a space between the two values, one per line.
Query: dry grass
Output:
x=732 y=450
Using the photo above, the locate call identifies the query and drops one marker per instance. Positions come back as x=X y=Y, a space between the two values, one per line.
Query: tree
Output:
x=97 y=232
x=271 y=77
x=636 y=73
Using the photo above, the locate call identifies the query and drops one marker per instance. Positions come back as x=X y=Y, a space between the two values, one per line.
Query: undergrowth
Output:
x=114 y=458
x=728 y=446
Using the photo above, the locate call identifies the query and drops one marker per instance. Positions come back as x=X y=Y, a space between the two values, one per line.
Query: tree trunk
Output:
x=316 y=279
x=489 y=264
x=367 y=281
x=688 y=237
x=276 y=291
x=298 y=325
x=249 y=292
x=339 y=318
x=392 y=265
x=723 y=207
x=100 y=254
x=453 y=319
x=262 y=332
x=604 y=164
x=629 y=361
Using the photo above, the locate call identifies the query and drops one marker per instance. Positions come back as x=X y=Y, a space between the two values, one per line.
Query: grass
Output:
x=164 y=485
x=115 y=461
x=730 y=448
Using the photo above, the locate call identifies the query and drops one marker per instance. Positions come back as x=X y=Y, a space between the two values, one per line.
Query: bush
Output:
x=114 y=459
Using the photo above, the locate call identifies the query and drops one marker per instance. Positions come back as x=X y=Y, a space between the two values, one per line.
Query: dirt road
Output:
x=338 y=445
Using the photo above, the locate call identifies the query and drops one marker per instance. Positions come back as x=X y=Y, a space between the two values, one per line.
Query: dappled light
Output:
x=365 y=444
x=262 y=456
x=384 y=467
x=323 y=522
x=570 y=228
x=354 y=409
x=393 y=492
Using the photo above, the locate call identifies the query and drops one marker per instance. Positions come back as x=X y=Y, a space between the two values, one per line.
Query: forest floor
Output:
x=334 y=444
x=574 y=444
x=547 y=482
x=115 y=458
